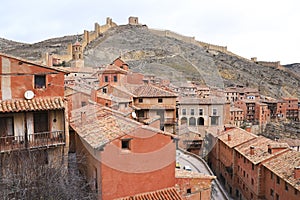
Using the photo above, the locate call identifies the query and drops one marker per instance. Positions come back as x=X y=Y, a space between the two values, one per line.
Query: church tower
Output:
x=77 y=55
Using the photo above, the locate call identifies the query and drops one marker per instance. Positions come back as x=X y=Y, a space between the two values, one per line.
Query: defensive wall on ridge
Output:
x=99 y=30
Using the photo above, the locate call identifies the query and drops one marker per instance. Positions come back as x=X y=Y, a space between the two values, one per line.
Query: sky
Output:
x=266 y=29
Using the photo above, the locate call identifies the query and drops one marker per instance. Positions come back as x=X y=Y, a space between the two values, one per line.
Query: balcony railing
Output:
x=35 y=140
x=170 y=120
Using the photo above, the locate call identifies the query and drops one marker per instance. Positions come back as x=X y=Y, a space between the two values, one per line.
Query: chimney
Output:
x=269 y=149
x=297 y=172
x=248 y=129
x=252 y=150
x=229 y=137
x=83 y=117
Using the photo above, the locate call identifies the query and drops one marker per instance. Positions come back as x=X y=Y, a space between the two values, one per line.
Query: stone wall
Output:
x=167 y=33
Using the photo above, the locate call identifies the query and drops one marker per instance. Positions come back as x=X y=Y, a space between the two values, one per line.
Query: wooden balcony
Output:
x=170 y=120
x=36 y=140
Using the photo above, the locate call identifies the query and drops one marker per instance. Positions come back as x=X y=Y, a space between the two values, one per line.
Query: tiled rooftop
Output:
x=260 y=145
x=164 y=194
x=238 y=136
x=99 y=125
x=196 y=100
x=284 y=165
x=149 y=90
x=180 y=173
x=235 y=109
x=35 y=104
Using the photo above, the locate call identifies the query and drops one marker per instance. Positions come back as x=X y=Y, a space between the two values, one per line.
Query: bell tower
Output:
x=77 y=54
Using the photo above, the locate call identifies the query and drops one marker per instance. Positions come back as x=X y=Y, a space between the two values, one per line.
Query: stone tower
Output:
x=77 y=55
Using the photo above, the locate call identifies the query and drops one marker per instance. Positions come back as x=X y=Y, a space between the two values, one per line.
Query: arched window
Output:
x=183 y=120
x=201 y=121
x=192 y=121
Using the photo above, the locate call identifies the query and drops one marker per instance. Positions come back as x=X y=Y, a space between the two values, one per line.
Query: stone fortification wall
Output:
x=89 y=36
x=167 y=33
x=275 y=64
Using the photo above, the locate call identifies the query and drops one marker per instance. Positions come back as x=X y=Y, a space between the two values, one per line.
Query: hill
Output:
x=174 y=59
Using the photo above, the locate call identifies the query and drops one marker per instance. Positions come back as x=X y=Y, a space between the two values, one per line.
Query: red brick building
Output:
x=193 y=185
x=249 y=159
x=282 y=176
x=223 y=158
x=255 y=167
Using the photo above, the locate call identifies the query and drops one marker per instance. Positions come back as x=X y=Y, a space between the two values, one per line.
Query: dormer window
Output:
x=39 y=81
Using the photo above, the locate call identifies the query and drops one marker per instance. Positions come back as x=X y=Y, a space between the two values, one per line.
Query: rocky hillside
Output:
x=170 y=58
x=294 y=68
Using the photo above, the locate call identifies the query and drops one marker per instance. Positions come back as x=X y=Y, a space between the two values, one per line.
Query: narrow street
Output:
x=198 y=165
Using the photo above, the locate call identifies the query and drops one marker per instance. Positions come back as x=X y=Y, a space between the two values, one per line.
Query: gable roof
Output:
x=260 y=145
x=164 y=194
x=237 y=135
x=99 y=125
x=284 y=167
x=149 y=90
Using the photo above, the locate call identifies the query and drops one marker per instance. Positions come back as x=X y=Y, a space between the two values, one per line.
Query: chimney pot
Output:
x=229 y=137
x=297 y=172
x=252 y=150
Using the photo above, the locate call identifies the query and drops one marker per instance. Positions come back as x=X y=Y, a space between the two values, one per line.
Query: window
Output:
x=271 y=175
x=192 y=121
x=41 y=122
x=277 y=196
x=6 y=126
x=39 y=81
x=252 y=166
x=277 y=180
x=201 y=121
x=115 y=79
x=214 y=120
x=184 y=111
x=296 y=191
x=252 y=181
x=189 y=191
x=192 y=111
x=271 y=192
x=251 y=195
x=183 y=120
x=286 y=186
x=125 y=144
x=160 y=100
x=104 y=90
x=201 y=111
x=244 y=173
x=83 y=103
x=106 y=79
x=214 y=112
x=140 y=100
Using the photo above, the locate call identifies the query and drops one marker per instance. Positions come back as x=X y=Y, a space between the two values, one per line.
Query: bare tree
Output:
x=29 y=175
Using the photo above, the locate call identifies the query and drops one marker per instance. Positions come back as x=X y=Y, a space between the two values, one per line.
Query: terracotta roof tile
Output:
x=164 y=194
x=99 y=125
x=284 y=166
x=237 y=135
x=260 y=145
x=180 y=173
x=149 y=91
x=35 y=104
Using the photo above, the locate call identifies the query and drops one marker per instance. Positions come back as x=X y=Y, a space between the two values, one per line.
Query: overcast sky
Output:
x=266 y=29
